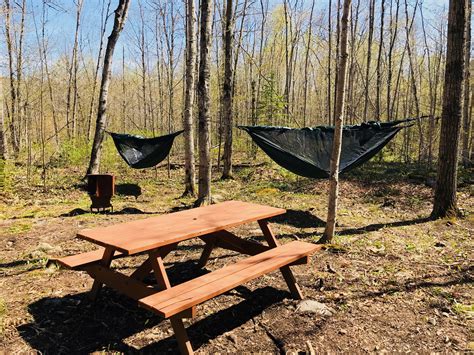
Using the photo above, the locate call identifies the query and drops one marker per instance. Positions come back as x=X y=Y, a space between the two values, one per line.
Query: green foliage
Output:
x=72 y=153
x=271 y=104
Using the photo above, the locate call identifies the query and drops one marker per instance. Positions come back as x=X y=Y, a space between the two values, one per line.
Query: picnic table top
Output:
x=149 y=233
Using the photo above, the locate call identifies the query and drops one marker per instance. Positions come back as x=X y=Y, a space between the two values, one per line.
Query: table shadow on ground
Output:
x=73 y=324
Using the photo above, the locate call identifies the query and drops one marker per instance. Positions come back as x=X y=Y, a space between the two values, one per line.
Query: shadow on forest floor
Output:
x=74 y=324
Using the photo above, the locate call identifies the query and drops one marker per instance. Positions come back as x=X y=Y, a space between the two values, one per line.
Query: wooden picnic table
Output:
x=158 y=236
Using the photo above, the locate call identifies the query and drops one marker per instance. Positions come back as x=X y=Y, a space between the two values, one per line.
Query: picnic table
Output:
x=158 y=236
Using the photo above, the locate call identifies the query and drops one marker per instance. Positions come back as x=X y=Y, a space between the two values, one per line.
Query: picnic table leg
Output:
x=176 y=321
x=285 y=270
x=206 y=253
x=181 y=336
x=105 y=261
x=159 y=270
x=144 y=269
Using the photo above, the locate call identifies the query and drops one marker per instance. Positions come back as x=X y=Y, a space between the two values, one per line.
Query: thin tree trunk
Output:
x=72 y=81
x=339 y=121
x=13 y=110
x=105 y=19
x=445 y=202
x=329 y=111
x=379 y=63
x=227 y=94
x=369 y=55
x=204 y=120
x=119 y=21
x=3 y=143
x=467 y=86
x=413 y=79
x=188 y=124
x=393 y=37
x=19 y=71
x=306 y=65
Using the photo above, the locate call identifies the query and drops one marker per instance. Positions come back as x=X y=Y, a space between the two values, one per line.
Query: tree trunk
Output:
x=467 y=93
x=339 y=121
x=369 y=55
x=329 y=111
x=445 y=202
x=393 y=37
x=306 y=64
x=104 y=20
x=101 y=122
x=14 y=108
x=189 y=169
x=3 y=143
x=227 y=94
x=379 y=63
x=72 y=81
x=204 y=120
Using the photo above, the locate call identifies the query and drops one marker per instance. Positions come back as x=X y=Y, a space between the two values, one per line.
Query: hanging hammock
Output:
x=139 y=152
x=307 y=151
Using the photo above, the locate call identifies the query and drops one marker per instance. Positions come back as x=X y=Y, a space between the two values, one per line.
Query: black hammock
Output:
x=139 y=152
x=307 y=151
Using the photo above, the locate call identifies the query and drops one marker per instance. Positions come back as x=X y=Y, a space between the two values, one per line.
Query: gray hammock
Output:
x=139 y=152
x=307 y=151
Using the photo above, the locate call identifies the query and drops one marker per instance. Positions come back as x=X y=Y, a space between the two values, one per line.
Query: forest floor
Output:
x=393 y=281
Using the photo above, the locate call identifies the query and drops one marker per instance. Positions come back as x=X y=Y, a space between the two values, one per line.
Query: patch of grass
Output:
x=410 y=247
x=464 y=309
x=19 y=228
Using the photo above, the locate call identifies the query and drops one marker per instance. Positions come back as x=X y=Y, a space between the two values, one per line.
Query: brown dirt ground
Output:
x=397 y=281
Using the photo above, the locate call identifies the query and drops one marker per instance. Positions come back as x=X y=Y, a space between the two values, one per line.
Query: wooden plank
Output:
x=142 y=235
x=79 y=260
x=193 y=292
x=228 y=240
x=119 y=282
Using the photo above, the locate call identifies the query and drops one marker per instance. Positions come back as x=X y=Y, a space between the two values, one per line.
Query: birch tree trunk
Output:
x=339 y=121
x=445 y=202
x=227 y=94
x=101 y=122
x=204 y=120
x=189 y=169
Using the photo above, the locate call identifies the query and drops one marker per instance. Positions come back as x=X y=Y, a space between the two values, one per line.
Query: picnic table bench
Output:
x=158 y=236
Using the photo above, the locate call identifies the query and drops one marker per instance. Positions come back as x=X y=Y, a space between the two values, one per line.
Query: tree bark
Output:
x=227 y=94
x=14 y=109
x=204 y=120
x=3 y=143
x=379 y=63
x=188 y=123
x=339 y=121
x=445 y=202
x=104 y=20
x=369 y=55
x=467 y=92
x=101 y=122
